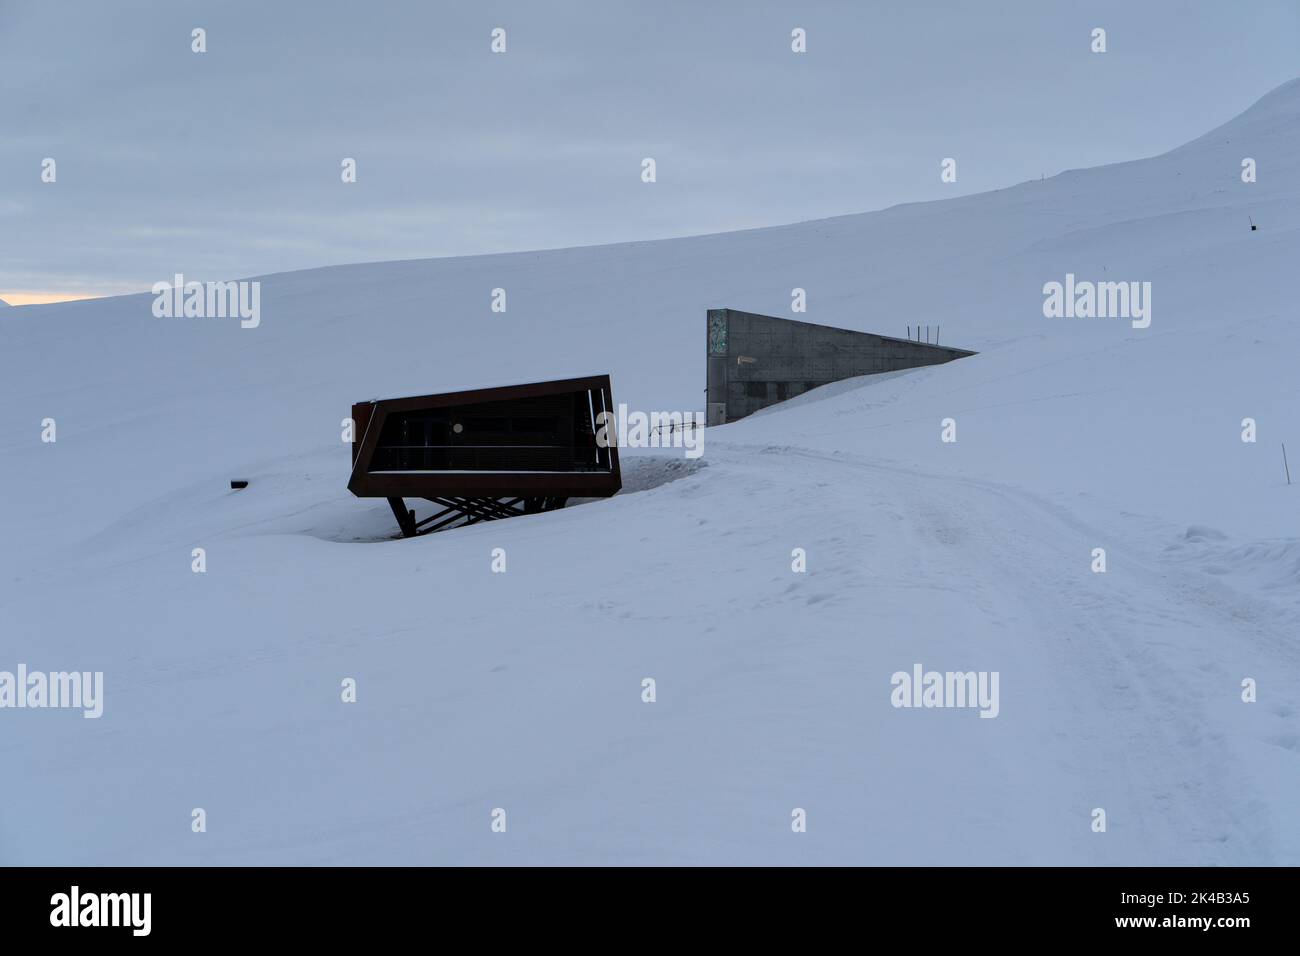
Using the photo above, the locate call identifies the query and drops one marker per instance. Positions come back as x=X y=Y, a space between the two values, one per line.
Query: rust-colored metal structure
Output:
x=486 y=453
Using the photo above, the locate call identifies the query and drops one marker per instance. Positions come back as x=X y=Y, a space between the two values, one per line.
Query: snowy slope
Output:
x=522 y=690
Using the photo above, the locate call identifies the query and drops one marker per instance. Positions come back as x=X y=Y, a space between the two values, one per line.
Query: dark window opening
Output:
x=547 y=433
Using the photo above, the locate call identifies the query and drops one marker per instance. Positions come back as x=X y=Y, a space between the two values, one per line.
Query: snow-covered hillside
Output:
x=522 y=690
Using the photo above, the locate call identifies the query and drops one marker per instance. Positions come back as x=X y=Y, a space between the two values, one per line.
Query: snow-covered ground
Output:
x=478 y=690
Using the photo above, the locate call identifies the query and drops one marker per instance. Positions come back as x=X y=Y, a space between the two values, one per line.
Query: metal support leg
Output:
x=405 y=517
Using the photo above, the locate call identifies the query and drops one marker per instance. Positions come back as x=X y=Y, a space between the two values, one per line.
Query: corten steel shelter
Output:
x=486 y=453
x=758 y=360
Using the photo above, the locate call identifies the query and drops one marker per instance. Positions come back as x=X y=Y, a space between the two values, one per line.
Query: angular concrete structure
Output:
x=759 y=360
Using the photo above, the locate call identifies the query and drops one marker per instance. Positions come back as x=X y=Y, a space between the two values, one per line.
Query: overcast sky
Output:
x=227 y=163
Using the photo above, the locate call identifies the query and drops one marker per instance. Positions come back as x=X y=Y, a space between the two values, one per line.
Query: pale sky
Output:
x=227 y=163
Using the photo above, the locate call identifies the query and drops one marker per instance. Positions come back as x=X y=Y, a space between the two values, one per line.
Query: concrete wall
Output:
x=759 y=360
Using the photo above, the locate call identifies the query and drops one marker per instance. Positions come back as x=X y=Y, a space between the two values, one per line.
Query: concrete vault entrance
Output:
x=758 y=360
